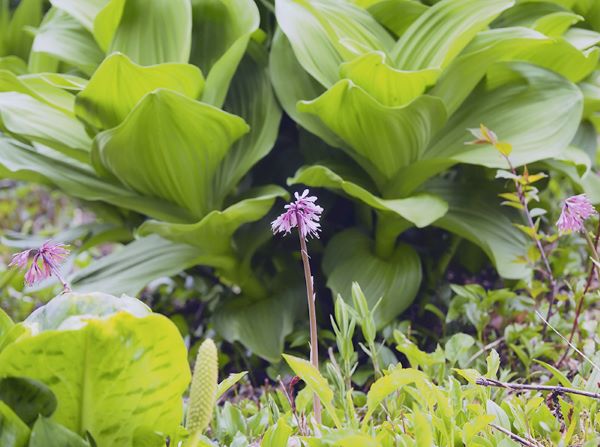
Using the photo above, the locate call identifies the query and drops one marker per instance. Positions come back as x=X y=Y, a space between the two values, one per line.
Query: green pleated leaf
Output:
x=395 y=15
x=487 y=48
x=421 y=210
x=154 y=32
x=549 y=18
x=222 y=29
x=27 y=398
x=85 y=11
x=582 y=39
x=213 y=234
x=522 y=113
x=324 y=34
x=292 y=84
x=47 y=433
x=141 y=153
x=13 y=64
x=29 y=118
x=250 y=97
x=28 y=13
x=138 y=361
x=349 y=257
x=374 y=130
x=13 y=431
x=64 y=38
x=135 y=265
x=475 y=214
x=118 y=85
x=21 y=162
x=387 y=85
x=440 y=33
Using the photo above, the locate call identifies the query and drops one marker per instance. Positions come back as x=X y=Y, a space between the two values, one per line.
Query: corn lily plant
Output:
x=395 y=97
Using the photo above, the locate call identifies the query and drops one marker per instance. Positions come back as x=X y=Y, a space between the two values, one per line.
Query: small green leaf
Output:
x=47 y=433
x=27 y=398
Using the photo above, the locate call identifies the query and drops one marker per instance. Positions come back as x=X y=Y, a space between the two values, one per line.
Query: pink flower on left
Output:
x=303 y=213
x=575 y=210
x=46 y=261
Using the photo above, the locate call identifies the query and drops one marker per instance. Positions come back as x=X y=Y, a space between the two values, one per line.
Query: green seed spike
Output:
x=203 y=389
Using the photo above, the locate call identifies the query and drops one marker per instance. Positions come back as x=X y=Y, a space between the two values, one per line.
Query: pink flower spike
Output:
x=303 y=213
x=575 y=211
x=45 y=262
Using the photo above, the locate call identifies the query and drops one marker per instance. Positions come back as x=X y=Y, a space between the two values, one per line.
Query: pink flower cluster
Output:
x=45 y=261
x=575 y=211
x=303 y=213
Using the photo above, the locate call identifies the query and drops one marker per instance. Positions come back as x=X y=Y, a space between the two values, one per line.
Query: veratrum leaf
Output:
x=47 y=433
x=324 y=34
x=85 y=11
x=389 y=137
x=170 y=147
x=13 y=431
x=441 y=32
x=222 y=29
x=118 y=84
x=421 y=209
x=396 y=280
x=154 y=32
x=139 y=362
x=27 y=398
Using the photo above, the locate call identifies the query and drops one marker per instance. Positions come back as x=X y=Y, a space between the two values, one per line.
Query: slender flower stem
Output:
x=515 y=437
x=588 y=284
x=522 y=387
x=312 y=317
x=65 y=285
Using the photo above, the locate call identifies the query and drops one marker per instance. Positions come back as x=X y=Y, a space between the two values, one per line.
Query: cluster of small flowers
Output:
x=303 y=213
x=45 y=261
x=575 y=211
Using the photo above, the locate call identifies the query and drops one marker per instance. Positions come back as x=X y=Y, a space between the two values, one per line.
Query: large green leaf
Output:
x=326 y=33
x=111 y=375
x=421 y=209
x=523 y=112
x=28 y=13
x=46 y=433
x=222 y=29
x=132 y=267
x=213 y=234
x=440 y=33
x=27 y=398
x=395 y=15
x=292 y=84
x=387 y=85
x=65 y=39
x=170 y=147
x=250 y=97
x=389 y=137
x=349 y=256
x=153 y=32
x=475 y=214
x=22 y=162
x=13 y=431
x=118 y=84
x=30 y=118
x=85 y=11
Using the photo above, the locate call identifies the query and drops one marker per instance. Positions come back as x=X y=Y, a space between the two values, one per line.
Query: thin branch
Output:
x=485 y=348
x=515 y=437
x=558 y=389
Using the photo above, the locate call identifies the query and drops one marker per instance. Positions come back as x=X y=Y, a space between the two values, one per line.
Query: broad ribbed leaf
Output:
x=582 y=39
x=21 y=162
x=397 y=279
x=522 y=113
x=250 y=97
x=27 y=398
x=154 y=32
x=440 y=33
x=170 y=147
x=64 y=38
x=13 y=431
x=29 y=118
x=85 y=11
x=475 y=214
x=421 y=210
x=389 y=137
x=548 y=18
x=488 y=47
x=118 y=85
x=213 y=234
x=387 y=85
x=292 y=84
x=325 y=33
x=28 y=13
x=47 y=433
x=395 y=15
x=139 y=362
x=222 y=29
x=135 y=265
